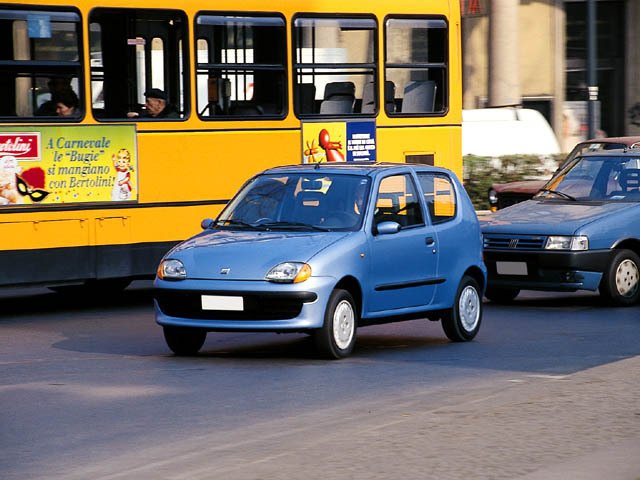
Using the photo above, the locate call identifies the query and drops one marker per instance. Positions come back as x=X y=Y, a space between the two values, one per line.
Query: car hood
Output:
x=540 y=217
x=247 y=255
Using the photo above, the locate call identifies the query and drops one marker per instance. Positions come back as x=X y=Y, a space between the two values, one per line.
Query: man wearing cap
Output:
x=155 y=106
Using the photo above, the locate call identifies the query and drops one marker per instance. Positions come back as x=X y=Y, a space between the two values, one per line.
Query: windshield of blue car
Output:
x=600 y=178
x=298 y=202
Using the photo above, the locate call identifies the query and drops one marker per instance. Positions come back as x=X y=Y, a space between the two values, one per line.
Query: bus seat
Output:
x=306 y=97
x=419 y=97
x=340 y=91
x=336 y=107
x=389 y=96
x=368 y=98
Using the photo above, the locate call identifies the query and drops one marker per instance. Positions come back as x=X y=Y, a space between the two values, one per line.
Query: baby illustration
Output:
x=9 y=194
x=122 y=184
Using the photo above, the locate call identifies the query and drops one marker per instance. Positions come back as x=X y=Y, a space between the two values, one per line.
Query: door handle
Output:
x=430 y=241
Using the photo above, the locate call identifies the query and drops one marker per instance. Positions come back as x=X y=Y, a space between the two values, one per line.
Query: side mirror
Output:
x=206 y=223
x=386 y=228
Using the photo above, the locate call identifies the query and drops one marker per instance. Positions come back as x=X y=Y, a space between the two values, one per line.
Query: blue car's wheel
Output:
x=620 y=284
x=337 y=336
x=462 y=322
x=184 y=341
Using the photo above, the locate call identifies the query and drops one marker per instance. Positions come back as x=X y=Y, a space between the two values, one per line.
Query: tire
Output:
x=462 y=322
x=184 y=341
x=620 y=284
x=337 y=336
x=501 y=294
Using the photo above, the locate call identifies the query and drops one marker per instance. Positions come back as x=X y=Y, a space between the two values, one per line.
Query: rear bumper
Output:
x=549 y=270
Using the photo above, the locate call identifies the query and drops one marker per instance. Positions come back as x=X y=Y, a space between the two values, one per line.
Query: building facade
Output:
x=549 y=61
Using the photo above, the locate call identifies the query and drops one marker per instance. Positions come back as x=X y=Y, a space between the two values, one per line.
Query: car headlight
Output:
x=171 y=269
x=556 y=242
x=493 y=197
x=289 y=272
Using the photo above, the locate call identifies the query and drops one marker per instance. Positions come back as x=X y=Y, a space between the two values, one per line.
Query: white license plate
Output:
x=511 y=268
x=220 y=302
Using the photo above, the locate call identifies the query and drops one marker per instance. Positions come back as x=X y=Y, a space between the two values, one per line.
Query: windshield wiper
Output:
x=238 y=223
x=295 y=225
x=560 y=194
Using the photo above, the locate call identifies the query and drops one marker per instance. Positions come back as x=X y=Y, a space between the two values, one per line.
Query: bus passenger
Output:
x=67 y=103
x=156 y=106
x=56 y=86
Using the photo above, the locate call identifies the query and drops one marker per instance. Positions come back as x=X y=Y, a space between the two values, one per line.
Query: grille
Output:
x=506 y=242
x=257 y=305
x=507 y=199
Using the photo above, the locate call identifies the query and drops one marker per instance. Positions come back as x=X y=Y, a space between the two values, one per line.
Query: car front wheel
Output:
x=462 y=322
x=337 y=336
x=620 y=284
x=184 y=341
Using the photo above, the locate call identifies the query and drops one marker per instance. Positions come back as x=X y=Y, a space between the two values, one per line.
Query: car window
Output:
x=397 y=201
x=439 y=196
x=600 y=178
x=299 y=201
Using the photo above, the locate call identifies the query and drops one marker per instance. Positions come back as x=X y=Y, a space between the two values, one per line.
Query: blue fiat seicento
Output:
x=325 y=249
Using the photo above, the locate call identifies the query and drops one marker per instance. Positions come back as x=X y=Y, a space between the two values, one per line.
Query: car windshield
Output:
x=298 y=202
x=596 y=178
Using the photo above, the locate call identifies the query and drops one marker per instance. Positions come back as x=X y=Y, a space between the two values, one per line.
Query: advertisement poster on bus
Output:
x=52 y=165
x=353 y=141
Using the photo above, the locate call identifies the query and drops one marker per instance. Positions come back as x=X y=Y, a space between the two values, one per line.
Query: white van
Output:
x=493 y=132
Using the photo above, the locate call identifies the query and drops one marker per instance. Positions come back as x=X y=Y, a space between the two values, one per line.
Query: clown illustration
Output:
x=122 y=184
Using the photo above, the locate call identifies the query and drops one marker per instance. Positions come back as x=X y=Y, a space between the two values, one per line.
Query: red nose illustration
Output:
x=332 y=149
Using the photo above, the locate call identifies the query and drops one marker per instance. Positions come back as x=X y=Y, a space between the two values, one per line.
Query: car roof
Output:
x=628 y=141
x=614 y=152
x=360 y=168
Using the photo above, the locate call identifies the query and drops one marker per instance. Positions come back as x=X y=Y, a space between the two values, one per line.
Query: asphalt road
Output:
x=88 y=389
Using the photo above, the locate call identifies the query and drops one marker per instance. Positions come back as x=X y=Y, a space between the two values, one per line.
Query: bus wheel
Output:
x=337 y=336
x=462 y=322
x=184 y=341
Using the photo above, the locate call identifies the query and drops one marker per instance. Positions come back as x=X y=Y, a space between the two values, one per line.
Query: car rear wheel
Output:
x=501 y=294
x=620 y=284
x=337 y=336
x=184 y=341
x=462 y=322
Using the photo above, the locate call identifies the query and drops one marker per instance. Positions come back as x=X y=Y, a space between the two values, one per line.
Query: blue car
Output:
x=325 y=249
x=580 y=232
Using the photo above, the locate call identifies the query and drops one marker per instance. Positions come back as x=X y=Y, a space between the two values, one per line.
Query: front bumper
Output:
x=549 y=270
x=266 y=306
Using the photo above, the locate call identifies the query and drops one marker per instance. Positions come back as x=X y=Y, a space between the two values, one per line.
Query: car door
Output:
x=402 y=264
x=442 y=207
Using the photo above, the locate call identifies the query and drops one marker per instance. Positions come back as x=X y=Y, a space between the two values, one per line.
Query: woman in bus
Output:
x=66 y=103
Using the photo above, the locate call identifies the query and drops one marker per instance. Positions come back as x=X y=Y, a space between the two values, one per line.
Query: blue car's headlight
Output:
x=567 y=242
x=171 y=269
x=289 y=272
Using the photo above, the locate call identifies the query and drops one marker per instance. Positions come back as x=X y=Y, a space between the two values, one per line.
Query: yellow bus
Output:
x=95 y=186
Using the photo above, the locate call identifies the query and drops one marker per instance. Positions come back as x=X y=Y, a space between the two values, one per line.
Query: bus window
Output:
x=335 y=66
x=241 y=65
x=134 y=51
x=40 y=53
x=416 y=64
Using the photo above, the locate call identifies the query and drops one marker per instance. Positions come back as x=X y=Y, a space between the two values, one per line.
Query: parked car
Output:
x=503 y=195
x=325 y=249
x=580 y=232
